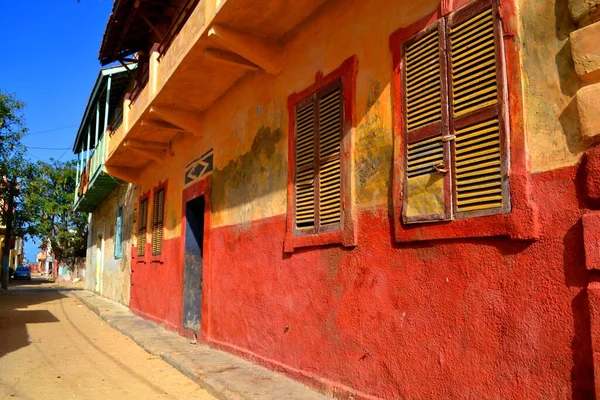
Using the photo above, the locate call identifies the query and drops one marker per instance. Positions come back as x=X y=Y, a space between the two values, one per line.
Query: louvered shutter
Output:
x=476 y=116
x=119 y=233
x=427 y=192
x=305 y=166
x=330 y=125
x=157 y=226
x=318 y=174
x=142 y=228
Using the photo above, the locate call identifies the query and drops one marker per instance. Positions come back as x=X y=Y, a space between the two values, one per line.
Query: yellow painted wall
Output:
x=248 y=126
x=549 y=85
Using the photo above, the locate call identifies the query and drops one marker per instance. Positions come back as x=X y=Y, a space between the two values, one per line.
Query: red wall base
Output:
x=460 y=318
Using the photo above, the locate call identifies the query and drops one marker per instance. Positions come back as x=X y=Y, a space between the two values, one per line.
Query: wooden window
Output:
x=318 y=171
x=455 y=133
x=142 y=227
x=157 y=222
x=119 y=234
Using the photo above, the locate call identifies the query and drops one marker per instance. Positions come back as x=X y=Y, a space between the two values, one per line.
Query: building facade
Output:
x=106 y=199
x=383 y=199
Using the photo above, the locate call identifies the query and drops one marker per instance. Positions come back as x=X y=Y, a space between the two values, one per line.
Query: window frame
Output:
x=118 y=248
x=346 y=234
x=317 y=228
x=522 y=221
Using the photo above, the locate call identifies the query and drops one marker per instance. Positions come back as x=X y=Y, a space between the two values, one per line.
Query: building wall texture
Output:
x=474 y=317
x=106 y=274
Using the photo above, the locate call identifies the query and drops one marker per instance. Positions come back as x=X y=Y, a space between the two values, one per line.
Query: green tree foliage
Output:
x=48 y=206
x=36 y=198
x=14 y=172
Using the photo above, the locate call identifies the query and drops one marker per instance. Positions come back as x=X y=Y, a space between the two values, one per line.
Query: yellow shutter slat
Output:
x=423 y=82
x=424 y=155
x=304 y=187
x=473 y=64
x=478 y=166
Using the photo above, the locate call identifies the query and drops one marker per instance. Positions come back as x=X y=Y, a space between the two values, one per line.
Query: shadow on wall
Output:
x=568 y=79
x=576 y=275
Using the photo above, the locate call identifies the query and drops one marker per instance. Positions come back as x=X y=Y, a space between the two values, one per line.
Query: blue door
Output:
x=192 y=271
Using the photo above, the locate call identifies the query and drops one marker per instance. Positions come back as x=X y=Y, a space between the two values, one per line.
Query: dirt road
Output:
x=53 y=347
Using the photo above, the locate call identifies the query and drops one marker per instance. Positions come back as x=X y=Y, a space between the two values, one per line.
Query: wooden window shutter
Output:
x=142 y=228
x=119 y=233
x=330 y=125
x=157 y=225
x=427 y=189
x=318 y=174
x=476 y=76
x=305 y=165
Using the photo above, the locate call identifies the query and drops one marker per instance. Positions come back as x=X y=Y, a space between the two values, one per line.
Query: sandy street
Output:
x=53 y=347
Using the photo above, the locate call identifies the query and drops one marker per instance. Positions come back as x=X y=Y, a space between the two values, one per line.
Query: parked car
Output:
x=22 y=273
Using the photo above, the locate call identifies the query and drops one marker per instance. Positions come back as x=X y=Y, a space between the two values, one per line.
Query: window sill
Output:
x=518 y=224
x=291 y=242
x=157 y=259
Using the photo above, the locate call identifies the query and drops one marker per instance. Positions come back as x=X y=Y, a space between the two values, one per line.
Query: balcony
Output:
x=102 y=116
x=220 y=42
x=95 y=183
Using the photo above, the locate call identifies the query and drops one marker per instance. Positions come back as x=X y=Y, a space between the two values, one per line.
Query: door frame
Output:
x=99 y=257
x=191 y=192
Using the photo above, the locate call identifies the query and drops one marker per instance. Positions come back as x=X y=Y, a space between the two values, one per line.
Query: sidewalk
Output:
x=223 y=375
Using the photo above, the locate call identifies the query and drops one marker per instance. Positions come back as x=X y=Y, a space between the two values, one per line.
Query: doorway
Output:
x=192 y=269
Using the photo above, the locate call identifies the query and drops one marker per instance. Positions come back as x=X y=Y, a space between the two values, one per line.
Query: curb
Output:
x=223 y=375
x=210 y=386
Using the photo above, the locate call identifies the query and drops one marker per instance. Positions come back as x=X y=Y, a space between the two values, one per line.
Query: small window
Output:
x=119 y=234
x=318 y=168
x=157 y=222
x=142 y=228
x=455 y=135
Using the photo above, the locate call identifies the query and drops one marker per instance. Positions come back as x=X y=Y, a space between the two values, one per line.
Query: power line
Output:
x=48 y=148
x=51 y=130
x=63 y=154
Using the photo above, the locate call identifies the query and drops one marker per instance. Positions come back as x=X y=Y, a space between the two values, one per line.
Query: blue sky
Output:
x=50 y=61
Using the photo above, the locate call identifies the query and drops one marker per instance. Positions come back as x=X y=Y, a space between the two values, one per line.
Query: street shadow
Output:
x=15 y=315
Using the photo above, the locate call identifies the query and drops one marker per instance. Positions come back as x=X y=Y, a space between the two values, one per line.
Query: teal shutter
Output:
x=119 y=234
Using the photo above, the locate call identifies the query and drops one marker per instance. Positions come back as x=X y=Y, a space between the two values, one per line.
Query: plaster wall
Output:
x=549 y=85
x=115 y=274
x=460 y=318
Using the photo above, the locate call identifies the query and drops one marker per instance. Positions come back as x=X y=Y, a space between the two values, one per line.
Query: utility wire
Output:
x=51 y=130
x=48 y=148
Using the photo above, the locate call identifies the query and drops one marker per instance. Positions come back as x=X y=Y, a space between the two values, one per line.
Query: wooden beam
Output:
x=267 y=55
x=158 y=156
x=188 y=121
x=230 y=59
x=160 y=124
x=146 y=145
x=126 y=174
x=159 y=32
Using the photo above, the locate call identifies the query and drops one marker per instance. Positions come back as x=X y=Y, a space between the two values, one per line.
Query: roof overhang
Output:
x=118 y=87
x=130 y=25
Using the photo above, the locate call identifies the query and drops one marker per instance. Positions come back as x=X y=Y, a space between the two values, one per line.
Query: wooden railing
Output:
x=90 y=169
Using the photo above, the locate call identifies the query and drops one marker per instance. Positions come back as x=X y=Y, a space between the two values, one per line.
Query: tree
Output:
x=13 y=172
x=49 y=211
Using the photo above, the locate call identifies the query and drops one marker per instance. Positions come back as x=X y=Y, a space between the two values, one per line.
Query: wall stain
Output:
x=373 y=152
x=255 y=174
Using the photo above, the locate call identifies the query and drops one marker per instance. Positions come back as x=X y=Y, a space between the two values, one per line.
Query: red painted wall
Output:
x=468 y=318
x=156 y=288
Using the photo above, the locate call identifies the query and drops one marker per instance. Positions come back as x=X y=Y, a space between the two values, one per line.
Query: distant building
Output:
x=107 y=199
